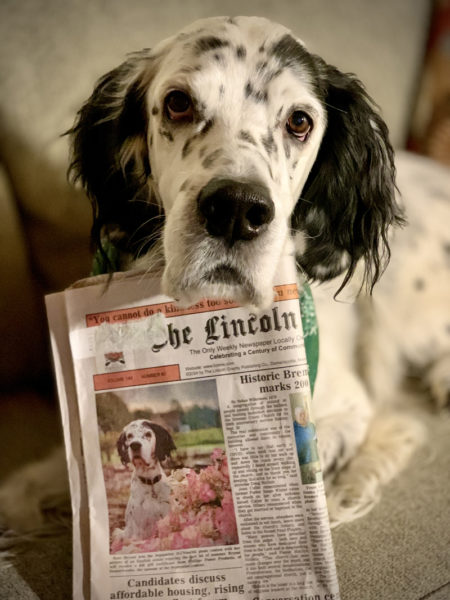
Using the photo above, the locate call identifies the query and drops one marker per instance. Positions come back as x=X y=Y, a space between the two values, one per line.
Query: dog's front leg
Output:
x=372 y=444
x=341 y=405
x=343 y=414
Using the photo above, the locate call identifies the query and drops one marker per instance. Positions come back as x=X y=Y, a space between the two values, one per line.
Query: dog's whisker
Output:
x=301 y=269
x=154 y=261
x=152 y=238
x=335 y=107
x=145 y=224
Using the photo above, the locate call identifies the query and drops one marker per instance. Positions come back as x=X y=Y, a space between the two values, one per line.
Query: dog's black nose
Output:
x=235 y=210
x=135 y=446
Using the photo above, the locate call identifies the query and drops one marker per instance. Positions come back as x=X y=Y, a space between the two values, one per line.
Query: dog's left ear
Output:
x=110 y=154
x=164 y=442
x=122 y=449
x=348 y=202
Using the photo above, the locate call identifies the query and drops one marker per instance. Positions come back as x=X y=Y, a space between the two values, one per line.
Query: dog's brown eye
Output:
x=299 y=124
x=178 y=106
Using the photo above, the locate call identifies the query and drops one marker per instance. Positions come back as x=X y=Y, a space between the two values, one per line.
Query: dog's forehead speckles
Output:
x=223 y=52
x=242 y=36
x=208 y=43
x=268 y=142
x=246 y=136
x=241 y=52
x=137 y=428
x=289 y=51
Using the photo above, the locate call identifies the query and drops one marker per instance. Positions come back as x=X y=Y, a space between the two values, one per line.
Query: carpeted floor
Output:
x=400 y=551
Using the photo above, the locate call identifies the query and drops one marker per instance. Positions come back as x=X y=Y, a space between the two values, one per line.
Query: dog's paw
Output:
x=339 y=439
x=36 y=496
x=391 y=441
x=331 y=449
x=349 y=501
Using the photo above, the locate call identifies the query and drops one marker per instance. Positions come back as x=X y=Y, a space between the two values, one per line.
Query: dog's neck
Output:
x=151 y=475
x=150 y=480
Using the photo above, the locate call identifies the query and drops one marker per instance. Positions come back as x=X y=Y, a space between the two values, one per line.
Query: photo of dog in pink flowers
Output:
x=165 y=468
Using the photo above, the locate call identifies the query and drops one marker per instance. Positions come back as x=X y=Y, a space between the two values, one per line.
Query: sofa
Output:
x=51 y=54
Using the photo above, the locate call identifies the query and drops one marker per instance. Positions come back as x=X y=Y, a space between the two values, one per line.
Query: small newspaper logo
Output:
x=114 y=359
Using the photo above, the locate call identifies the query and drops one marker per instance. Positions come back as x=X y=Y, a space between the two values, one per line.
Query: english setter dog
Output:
x=206 y=156
x=145 y=445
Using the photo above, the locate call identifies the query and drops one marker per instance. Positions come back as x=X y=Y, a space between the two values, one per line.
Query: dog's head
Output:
x=144 y=443
x=211 y=151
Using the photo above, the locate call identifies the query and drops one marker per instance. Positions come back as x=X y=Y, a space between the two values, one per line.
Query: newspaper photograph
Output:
x=191 y=445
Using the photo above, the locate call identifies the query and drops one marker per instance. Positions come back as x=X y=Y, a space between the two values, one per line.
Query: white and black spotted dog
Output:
x=206 y=156
x=145 y=445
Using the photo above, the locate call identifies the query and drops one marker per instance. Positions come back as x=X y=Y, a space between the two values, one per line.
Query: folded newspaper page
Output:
x=191 y=445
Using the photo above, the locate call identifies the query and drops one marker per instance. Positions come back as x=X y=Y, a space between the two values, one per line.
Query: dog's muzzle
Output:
x=136 y=447
x=235 y=210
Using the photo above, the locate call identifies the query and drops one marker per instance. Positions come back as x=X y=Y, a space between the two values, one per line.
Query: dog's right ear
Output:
x=110 y=155
x=348 y=203
x=164 y=441
x=122 y=449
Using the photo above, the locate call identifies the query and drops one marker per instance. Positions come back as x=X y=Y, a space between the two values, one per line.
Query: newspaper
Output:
x=191 y=447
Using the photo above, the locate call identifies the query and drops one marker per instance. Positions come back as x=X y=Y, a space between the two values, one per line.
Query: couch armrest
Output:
x=22 y=316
